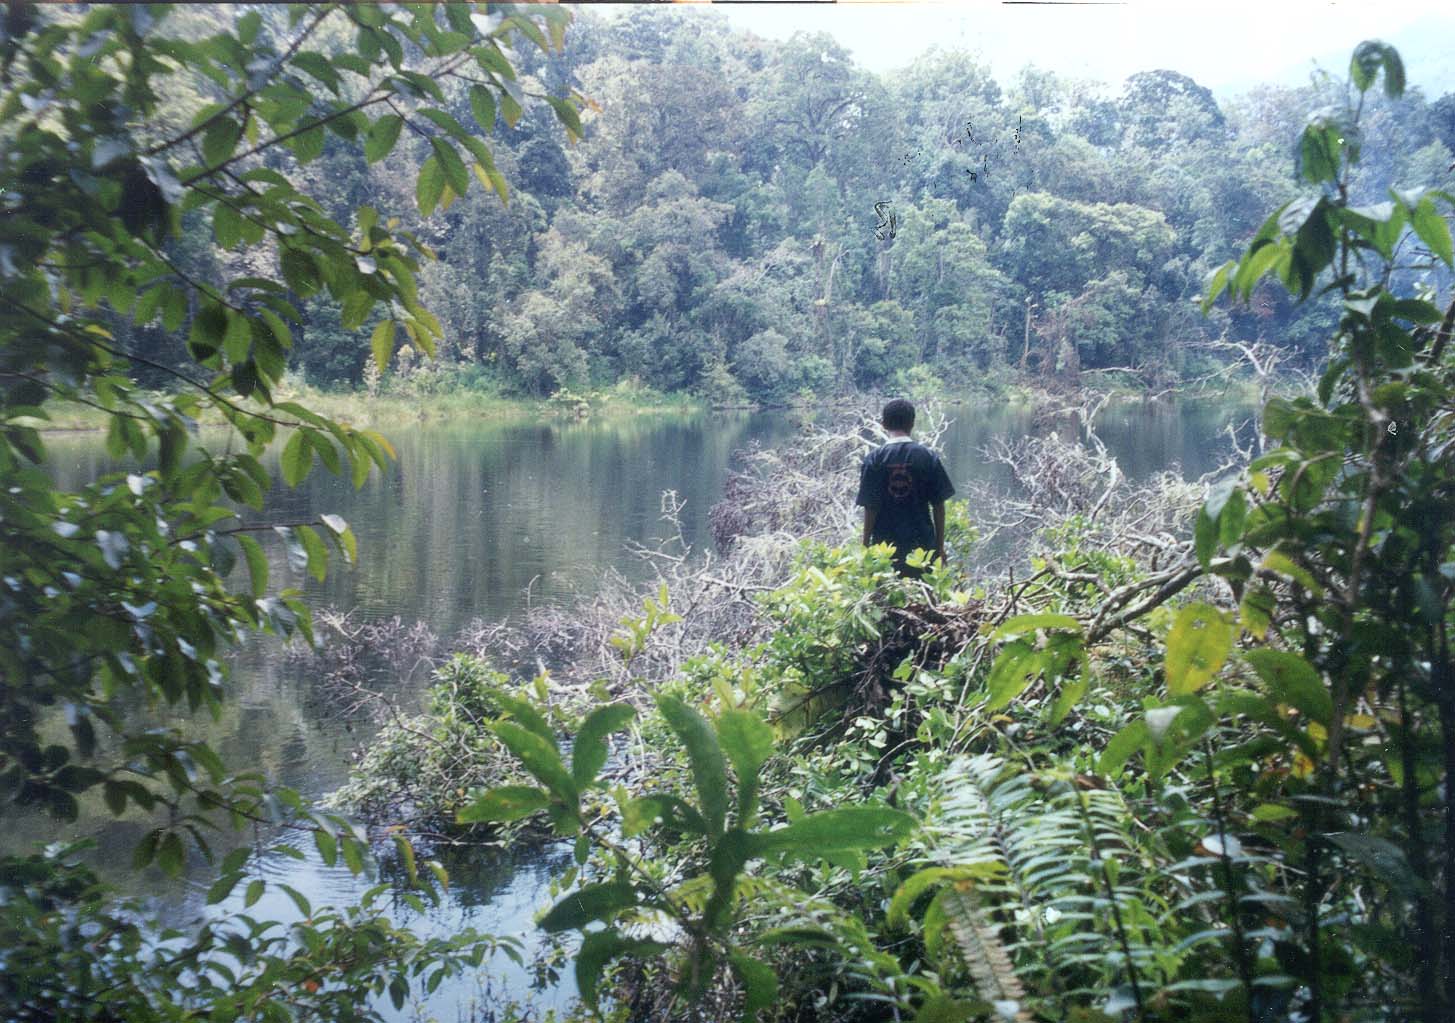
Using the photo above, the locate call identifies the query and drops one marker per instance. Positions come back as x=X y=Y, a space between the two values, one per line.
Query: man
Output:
x=902 y=488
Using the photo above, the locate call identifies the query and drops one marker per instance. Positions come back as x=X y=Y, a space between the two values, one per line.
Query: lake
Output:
x=475 y=521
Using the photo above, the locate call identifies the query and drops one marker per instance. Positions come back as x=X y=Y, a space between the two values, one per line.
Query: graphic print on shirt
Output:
x=900 y=482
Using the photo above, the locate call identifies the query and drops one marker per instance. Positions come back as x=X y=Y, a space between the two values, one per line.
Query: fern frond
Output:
x=1072 y=875
x=977 y=943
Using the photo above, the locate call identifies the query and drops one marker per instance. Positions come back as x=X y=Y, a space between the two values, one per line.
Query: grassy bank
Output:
x=404 y=404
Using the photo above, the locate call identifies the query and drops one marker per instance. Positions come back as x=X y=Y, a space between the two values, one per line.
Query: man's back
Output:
x=900 y=480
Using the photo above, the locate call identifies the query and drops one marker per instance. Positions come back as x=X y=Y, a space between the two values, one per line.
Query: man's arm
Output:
x=870 y=514
x=938 y=510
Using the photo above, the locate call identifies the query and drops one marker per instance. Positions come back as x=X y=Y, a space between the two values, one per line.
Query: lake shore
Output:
x=401 y=405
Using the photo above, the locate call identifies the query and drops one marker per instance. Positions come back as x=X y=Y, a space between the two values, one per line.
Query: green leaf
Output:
x=1015 y=667
x=588 y=754
x=841 y=830
x=1205 y=537
x=327 y=846
x=383 y=134
x=226 y=228
x=220 y=140
x=1371 y=55
x=522 y=711
x=1385 y=860
x=1255 y=611
x=1294 y=682
x=709 y=769
x=748 y=742
x=591 y=902
x=760 y=984
x=297 y=458
x=637 y=815
x=482 y=105
x=317 y=551
x=599 y=948
x=405 y=850
x=254 y=892
x=1199 y=643
x=257 y=563
x=567 y=115
x=1318 y=152
x=510 y=109
x=1121 y=747
x=456 y=176
x=430 y=185
x=222 y=888
x=1433 y=230
x=943 y=1008
x=1279 y=562
x=300 y=271
x=540 y=758
x=505 y=803
x=923 y=880
x=1218 y=283
x=381 y=342
x=170 y=855
x=209 y=328
x=1022 y=624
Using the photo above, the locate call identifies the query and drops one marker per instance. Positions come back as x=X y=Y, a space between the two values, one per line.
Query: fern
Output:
x=1080 y=917
x=978 y=945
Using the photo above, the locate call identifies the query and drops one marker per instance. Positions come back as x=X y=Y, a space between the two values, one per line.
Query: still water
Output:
x=475 y=521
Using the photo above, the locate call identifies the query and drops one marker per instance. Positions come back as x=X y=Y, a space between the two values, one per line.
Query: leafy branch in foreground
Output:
x=725 y=755
x=118 y=601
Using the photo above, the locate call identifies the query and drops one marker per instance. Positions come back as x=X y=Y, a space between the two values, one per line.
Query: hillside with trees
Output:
x=716 y=230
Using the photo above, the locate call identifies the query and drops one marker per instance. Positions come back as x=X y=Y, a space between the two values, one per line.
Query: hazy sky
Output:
x=1226 y=45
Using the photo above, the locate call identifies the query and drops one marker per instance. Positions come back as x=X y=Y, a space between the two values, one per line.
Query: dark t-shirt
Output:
x=902 y=479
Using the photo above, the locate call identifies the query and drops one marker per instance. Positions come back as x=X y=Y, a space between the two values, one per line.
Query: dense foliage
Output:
x=126 y=138
x=1210 y=789
x=718 y=229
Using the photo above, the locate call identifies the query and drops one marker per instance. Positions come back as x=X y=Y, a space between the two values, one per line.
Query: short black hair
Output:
x=898 y=415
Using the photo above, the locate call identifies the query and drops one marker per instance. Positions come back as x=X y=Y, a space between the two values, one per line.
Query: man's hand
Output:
x=870 y=514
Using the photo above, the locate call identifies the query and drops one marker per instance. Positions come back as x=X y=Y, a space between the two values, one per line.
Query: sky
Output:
x=1226 y=45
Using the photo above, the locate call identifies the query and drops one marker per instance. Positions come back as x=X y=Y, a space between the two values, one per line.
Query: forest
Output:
x=1174 y=749
x=716 y=229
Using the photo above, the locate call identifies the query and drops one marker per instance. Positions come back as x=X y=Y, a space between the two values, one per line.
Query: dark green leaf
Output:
x=482 y=105
x=1016 y=666
x=748 y=742
x=297 y=458
x=709 y=770
x=430 y=185
x=1369 y=57
x=588 y=754
x=841 y=830
x=1294 y=682
x=540 y=758
x=383 y=134
x=598 y=949
x=456 y=176
x=220 y=140
x=586 y=904
x=257 y=564
x=760 y=984
x=505 y=803
x=381 y=343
